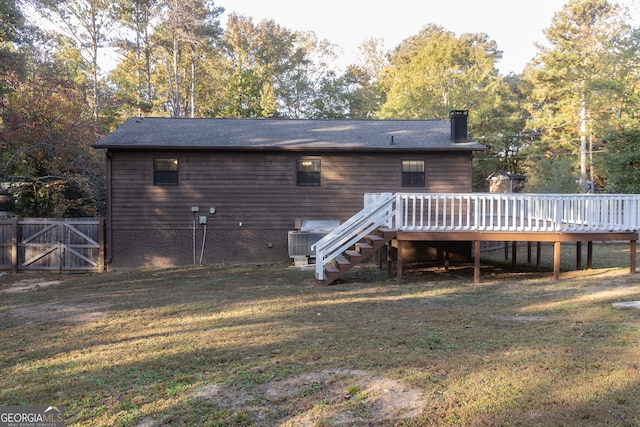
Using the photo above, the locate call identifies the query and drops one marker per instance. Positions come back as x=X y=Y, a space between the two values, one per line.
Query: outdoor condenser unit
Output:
x=300 y=241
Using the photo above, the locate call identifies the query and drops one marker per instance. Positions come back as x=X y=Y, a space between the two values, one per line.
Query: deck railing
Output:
x=482 y=212
x=517 y=212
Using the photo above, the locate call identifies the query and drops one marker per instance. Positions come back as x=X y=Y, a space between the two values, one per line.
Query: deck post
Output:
x=556 y=260
x=476 y=262
x=14 y=245
x=399 y=263
x=389 y=252
x=589 y=255
x=578 y=255
x=514 y=254
x=529 y=252
x=632 y=260
x=538 y=252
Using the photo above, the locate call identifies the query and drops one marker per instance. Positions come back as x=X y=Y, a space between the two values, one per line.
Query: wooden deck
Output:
x=557 y=238
x=478 y=217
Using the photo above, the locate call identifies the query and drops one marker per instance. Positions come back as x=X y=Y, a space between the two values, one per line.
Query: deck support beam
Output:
x=538 y=252
x=552 y=237
x=556 y=260
x=476 y=262
x=399 y=264
x=578 y=255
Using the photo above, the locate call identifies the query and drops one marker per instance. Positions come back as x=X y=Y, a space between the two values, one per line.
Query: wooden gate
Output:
x=62 y=245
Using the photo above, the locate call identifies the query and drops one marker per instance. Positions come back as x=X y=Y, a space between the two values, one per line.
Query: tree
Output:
x=187 y=26
x=258 y=55
x=273 y=71
x=360 y=86
x=435 y=72
x=11 y=22
x=136 y=17
x=567 y=81
x=47 y=134
x=499 y=125
x=89 y=23
x=306 y=85
x=11 y=26
x=621 y=159
x=46 y=127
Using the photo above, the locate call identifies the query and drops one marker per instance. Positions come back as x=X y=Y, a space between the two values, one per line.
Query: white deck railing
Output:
x=482 y=212
x=517 y=212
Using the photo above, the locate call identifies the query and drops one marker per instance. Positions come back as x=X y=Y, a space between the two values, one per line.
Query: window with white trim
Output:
x=308 y=172
x=413 y=173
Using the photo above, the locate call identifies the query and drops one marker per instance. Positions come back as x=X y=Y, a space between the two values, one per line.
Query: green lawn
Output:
x=266 y=346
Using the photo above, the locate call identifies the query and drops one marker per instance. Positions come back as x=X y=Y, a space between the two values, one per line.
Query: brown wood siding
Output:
x=152 y=225
x=259 y=189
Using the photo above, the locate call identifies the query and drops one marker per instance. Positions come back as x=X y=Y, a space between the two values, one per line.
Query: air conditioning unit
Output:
x=308 y=233
x=300 y=243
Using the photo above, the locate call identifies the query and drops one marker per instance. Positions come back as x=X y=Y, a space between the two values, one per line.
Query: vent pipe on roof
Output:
x=458 y=120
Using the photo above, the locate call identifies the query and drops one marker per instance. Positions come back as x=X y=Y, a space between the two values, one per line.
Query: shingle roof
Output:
x=284 y=134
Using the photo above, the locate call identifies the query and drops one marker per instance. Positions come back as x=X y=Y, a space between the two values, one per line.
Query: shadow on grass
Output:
x=514 y=350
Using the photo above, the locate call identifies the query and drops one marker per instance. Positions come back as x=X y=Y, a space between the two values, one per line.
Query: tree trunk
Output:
x=193 y=80
x=583 y=147
x=94 y=64
x=176 y=80
x=147 y=59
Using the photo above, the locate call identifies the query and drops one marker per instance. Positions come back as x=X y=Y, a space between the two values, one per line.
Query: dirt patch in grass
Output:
x=27 y=285
x=79 y=312
x=72 y=311
x=329 y=396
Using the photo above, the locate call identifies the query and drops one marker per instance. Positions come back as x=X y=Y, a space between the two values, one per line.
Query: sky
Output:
x=515 y=25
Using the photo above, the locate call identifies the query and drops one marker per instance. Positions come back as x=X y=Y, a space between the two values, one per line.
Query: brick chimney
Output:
x=458 y=120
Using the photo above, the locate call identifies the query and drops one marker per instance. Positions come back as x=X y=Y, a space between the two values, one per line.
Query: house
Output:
x=503 y=182
x=214 y=191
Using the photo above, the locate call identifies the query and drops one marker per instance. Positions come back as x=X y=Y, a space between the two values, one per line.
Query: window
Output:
x=308 y=172
x=413 y=173
x=165 y=171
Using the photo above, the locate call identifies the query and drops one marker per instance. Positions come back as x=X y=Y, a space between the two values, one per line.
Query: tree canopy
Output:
x=579 y=86
x=568 y=122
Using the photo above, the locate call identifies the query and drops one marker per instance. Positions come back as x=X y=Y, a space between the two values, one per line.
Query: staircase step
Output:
x=350 y=258
x=387 y=233
x=364 y=248
x=387 y=230
x=330 y=269
x=331 y=274
x=343 y=263
x=353 y=255
x=375 y=241
x=329 y=278
x=363 y=245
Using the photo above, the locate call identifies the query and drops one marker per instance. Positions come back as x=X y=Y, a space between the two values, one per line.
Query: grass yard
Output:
x=265 y=346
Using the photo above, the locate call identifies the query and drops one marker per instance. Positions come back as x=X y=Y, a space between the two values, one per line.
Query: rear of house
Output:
x=214 y=191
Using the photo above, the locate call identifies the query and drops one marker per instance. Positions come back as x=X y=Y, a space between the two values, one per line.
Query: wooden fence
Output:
x=60 y=245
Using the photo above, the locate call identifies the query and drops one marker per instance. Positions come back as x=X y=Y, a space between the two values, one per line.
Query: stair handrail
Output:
x=379 y=213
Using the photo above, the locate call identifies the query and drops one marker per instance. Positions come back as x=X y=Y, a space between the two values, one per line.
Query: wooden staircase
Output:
x=360 y=252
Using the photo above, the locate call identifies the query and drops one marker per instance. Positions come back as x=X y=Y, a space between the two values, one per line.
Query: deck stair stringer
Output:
x=355 y=240
x=360 y=252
